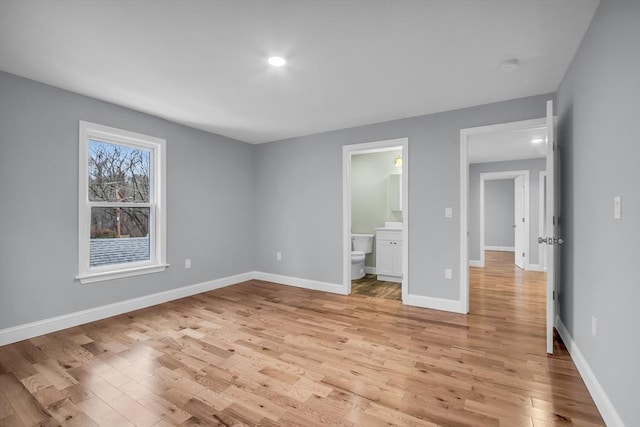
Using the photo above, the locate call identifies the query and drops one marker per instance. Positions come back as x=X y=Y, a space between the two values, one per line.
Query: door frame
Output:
x=373 y=147
x=542 y=215
x=492 y=176
x=465 y=134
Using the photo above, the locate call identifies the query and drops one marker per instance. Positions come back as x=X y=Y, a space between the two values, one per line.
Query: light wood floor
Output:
x=370 y=286
x=271 y=355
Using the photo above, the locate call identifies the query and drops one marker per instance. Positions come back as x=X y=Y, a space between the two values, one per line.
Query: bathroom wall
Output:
x=534 y=166
x=369 y=182
x=499 y=212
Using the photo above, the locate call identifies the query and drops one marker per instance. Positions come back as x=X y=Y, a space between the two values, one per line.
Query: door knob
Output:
x=542 y=240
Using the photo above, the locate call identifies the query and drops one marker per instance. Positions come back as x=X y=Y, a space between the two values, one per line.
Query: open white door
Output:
x=551 y=226
x=518 y=222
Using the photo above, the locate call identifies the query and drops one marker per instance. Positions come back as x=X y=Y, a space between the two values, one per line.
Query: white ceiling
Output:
x=507 y=145
x=202 y=63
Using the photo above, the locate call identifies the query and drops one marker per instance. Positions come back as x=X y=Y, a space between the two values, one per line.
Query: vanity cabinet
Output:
x=389 y=255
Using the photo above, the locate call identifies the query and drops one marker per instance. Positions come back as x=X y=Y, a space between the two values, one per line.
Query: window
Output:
x=121 y=221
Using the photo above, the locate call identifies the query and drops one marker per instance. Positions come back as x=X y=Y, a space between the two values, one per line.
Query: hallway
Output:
x=502 y=289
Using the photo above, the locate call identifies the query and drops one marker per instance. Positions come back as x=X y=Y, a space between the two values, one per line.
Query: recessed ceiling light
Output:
x=509 y=66
x=277 y=61
x=537 y=141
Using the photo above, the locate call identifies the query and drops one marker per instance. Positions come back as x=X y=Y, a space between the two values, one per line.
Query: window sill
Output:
x=119 y=274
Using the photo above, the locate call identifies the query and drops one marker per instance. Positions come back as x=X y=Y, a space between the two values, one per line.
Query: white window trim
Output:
x=158 y=221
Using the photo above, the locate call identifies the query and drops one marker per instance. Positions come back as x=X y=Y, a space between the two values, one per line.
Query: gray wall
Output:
x=599 y=136
x=534 y=166
x=209 y=203
x=499 y=212
x=369 y=187
x=301 y=204
x=231 y=205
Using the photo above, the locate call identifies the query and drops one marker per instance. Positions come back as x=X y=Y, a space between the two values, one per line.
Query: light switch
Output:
x=617 y=208
x=448 y=212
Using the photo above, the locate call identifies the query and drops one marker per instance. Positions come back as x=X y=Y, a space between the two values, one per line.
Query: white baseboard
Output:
x=433 y=303
x=500 y=248
x=392 y=279
x=475 y=263
x=301 y=283
x=370 y=270
x=45 y=326
x=602 y=401
x=41 y=327
x=534 y=267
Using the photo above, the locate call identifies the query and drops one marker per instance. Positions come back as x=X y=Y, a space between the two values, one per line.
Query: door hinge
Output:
x=522 y=254
x=554 y=295
x=522 y=219
x=554 y=220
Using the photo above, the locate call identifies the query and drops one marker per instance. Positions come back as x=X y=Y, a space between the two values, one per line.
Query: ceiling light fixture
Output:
x=277 y=61
x=509 y=66
x=537 y=141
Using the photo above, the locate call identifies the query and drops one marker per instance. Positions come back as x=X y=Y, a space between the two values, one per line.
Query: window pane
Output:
x=118 y=173
x=119 y=235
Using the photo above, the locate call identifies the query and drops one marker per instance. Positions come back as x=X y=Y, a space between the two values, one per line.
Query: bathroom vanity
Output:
x=389 y=254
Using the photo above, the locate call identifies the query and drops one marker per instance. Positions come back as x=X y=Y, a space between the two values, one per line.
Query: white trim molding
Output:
x=535 y=267
x=298 y=282
x=373 y=147
x=602 y=401
x=500 y=248
x=465 y=134
x=45 y=326
x=370 y=270
x=542 y=214
x=120 y=274
x=480 y=264
x=57 y=323
x=442 y=304
x=156 y=203
x=491 y=176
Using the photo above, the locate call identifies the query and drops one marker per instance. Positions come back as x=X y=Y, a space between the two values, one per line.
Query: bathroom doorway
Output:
x=375 y=204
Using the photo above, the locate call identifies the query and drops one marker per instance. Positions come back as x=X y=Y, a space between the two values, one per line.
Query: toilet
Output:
x=361 y=244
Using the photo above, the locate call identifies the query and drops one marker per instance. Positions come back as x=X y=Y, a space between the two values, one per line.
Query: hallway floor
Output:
x=501 y=287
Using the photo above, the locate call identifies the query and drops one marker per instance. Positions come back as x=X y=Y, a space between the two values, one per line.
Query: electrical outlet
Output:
x=187 y=263
x=448 y=212
x=278 y=256
x=448 y=274
x=594 y=322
